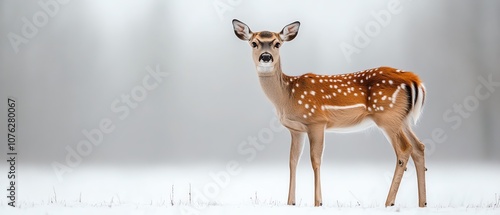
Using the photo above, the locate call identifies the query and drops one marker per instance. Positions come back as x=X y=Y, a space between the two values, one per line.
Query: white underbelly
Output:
x=363 y=125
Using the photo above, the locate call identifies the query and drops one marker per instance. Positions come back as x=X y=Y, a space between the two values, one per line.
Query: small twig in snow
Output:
x=497 y=201
x=189 y=193
x=172 y=196
x=256 y=200
x=55 y=195
x=357 y=200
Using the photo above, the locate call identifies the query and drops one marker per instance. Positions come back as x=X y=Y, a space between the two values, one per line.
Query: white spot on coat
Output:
x=333 y=107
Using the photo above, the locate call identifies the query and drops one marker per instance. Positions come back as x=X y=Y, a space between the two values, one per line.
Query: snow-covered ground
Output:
x=452 y=188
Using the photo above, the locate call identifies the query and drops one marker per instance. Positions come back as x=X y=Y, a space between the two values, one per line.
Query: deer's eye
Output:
x=254 y=45
x=277 y=45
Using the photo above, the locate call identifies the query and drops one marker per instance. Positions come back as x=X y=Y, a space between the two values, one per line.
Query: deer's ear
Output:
x=290 y=31
x=241 y=30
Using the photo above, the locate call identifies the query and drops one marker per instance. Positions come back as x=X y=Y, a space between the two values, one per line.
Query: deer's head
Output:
x=265 y=44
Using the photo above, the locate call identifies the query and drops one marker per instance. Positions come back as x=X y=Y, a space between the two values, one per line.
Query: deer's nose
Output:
x=266 y=57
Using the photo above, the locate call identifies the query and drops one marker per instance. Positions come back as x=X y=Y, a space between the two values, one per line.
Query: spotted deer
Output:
x=311 y=104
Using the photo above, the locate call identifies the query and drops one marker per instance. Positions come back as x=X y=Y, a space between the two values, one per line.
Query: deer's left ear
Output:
x=290 y=31
x=241 y=30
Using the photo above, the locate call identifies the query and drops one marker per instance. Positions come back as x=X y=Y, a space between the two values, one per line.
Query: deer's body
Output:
x=312 y=104
x=346 y=102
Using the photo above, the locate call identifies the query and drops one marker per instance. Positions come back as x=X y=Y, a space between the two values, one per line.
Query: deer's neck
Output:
x=275 y=87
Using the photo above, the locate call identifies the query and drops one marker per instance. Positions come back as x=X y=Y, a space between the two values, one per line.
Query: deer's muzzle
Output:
x=265 y=57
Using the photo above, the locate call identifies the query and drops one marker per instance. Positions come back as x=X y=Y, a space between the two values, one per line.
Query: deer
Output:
x=312 y=104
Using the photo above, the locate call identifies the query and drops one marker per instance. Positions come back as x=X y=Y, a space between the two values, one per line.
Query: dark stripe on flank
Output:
x=410 y=98
x=415 y=86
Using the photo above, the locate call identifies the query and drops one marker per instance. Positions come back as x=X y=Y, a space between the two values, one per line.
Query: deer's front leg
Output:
x=295 y=152
x=316 y=136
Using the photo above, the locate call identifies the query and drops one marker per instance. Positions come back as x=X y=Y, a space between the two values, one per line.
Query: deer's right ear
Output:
x=241 y=30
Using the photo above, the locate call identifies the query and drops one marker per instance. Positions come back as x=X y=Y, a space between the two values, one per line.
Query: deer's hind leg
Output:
x=418 y=157
x=403 y=149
